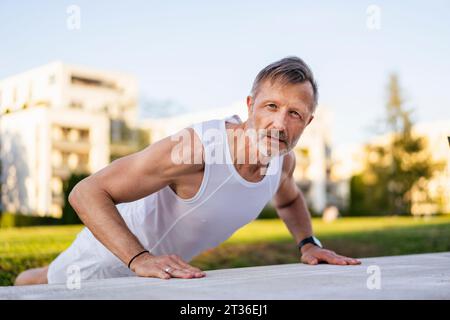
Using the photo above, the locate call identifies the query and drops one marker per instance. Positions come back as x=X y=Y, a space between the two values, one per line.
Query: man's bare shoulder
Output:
x=141 y=173
x=177 y=154
x=183 y=152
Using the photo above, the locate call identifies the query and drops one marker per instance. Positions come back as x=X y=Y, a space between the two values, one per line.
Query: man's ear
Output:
x=249 y=104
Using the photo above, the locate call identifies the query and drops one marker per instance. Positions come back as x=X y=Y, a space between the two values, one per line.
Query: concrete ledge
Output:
x=421 y=276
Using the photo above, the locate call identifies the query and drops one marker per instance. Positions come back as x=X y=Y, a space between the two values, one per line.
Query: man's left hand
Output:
x=312 y=254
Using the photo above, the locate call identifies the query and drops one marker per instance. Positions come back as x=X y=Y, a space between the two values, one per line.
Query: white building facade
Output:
x=56 y=120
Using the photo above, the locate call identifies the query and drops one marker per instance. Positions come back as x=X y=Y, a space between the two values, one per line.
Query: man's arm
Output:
x=290 y=203
x=292 y=209
x=128 y=179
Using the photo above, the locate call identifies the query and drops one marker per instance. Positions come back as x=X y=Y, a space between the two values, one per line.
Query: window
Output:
x=57 y=185
x=73 y=161
x=57 y=160
x=83 y=161
x=65 y=158
x=74 y=135
x=84 y=135
x=56 y=133
x=80 y=80
x=65 y=132
x=76 y=105
x=52 y=79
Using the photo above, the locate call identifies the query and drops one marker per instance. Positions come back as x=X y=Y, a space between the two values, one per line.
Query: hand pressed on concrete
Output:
x=148 y=265
x=312 y=254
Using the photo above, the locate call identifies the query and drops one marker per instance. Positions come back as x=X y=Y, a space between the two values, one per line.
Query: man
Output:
x=149 y=213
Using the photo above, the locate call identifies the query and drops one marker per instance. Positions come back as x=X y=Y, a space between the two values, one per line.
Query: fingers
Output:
x=347 y=260
x=328 y=256
x=155 y=272
x=159 y=271
x=351 y=261
x=333 y=258
x=156 y=267
x=187 y=267
x=180 y=273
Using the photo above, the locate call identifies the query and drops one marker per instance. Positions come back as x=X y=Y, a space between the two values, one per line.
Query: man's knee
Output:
x=32 y=276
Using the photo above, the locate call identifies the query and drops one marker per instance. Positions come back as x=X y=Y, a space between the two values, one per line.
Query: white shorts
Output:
x=88 y=258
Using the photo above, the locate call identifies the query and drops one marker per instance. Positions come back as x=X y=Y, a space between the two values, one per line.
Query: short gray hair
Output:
x=290 y=70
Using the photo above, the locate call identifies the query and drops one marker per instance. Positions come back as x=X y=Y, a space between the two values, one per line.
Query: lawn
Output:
x=262 y=242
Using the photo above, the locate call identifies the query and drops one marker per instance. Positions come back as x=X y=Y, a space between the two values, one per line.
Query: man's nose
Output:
x=279 y=122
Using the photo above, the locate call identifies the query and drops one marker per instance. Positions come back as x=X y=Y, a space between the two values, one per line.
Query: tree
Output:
x=69 y=215
x=395 y=165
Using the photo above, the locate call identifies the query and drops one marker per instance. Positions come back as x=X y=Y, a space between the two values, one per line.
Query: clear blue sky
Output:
x=206 y=54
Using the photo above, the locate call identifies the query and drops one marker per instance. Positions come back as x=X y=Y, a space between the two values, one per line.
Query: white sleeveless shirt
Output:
x=165 y=223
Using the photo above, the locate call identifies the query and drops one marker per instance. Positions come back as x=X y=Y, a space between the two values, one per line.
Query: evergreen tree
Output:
x=394 y=166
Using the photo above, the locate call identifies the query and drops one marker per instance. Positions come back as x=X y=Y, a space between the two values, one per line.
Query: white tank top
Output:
x=165 y=223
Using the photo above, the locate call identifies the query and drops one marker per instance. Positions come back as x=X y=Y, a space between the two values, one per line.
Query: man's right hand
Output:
x=148 y=265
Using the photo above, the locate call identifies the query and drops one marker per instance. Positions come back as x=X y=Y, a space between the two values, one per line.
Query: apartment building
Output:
x=56 y=120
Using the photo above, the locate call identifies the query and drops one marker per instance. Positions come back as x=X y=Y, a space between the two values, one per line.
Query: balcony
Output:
x=72 y=146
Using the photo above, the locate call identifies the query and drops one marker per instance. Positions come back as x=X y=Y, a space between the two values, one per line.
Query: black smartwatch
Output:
x=312 y=240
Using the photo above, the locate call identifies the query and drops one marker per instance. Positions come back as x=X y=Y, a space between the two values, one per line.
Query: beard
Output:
x=269 y=145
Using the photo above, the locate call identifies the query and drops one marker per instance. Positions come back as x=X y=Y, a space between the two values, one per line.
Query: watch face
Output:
x=317 y=241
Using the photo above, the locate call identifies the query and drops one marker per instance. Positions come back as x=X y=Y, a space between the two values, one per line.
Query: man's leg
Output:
x=32 y=276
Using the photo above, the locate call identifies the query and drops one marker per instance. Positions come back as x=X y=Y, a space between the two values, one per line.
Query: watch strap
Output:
x=310 y=239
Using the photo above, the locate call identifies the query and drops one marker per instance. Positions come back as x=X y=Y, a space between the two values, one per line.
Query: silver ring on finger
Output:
x=168 y=269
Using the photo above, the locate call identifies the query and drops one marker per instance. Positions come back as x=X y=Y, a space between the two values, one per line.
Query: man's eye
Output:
x=297 y=115
x=272 y=106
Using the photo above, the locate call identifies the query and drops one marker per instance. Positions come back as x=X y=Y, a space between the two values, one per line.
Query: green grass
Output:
x=261 y=242
x=30 y=247
x=265 y=242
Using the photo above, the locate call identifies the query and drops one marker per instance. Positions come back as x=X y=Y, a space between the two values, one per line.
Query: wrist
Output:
x=306 y=247
x=309 y=242
x=138 y=259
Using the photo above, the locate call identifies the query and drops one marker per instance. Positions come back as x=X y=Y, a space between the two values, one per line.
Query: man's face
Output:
x=283 y=111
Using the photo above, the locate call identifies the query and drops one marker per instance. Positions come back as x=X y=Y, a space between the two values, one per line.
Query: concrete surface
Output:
x=422 y=276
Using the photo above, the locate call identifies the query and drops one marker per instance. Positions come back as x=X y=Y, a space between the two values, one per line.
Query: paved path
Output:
x=422 y=276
